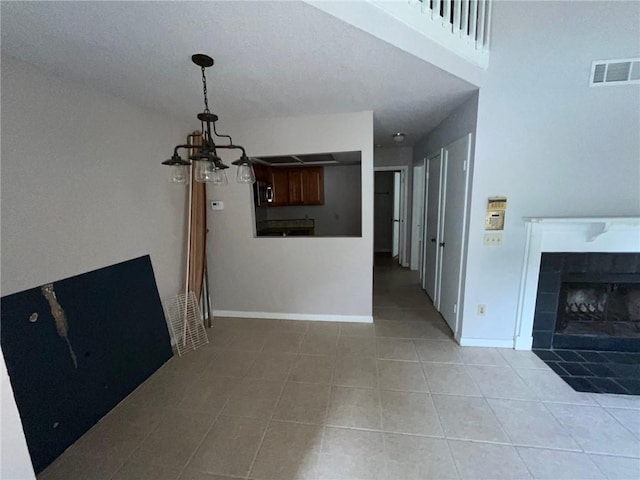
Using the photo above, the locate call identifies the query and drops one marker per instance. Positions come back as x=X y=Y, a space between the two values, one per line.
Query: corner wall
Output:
x=82 y=182
x=549 y=143
x=292 y=277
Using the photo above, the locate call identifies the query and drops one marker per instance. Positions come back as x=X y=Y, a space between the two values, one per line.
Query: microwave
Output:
x=263 y=193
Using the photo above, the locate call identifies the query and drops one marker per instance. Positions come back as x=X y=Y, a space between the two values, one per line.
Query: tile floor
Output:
x=399 y=399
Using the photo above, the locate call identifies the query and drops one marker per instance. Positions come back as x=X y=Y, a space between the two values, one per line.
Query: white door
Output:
x=417 y=216
x=432 y=222
x=451 y=246
x=397 y=231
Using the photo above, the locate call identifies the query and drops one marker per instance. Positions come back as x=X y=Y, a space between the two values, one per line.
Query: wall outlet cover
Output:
x=492 y=239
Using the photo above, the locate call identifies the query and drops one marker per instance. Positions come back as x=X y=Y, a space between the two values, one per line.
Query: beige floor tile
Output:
x=482 y=356
x=393 y=328
x=231 y=363
x=405 y=376
x=433 y=330
x=443 y=351
x=351 y=467
x=617 y=468
x=617 y=401
x=548 y=386
x=353 y=371
x=164 y=390
x=350 y=329
x=396 y=349
x=628 y=418
x=254 y=398
x=220 y=336
x=312 y=369
x=556 y=464
x=468 y=418
x=323 y=328
x=388 y=312
x=354 y=407
x=344 y=441
x=449 y=379
x=210 y=394
x=412 y=413
x=69 y=466
x=174 y=440
x=289 y=451
x=111 y=437
x=252 y=340
x=418 y=458
x=272 y=366
x=292 y=326
x=303 y=402
x=522 y=359
x=318 y=344
x=596 y=430
x=485 y=461
x=500 y=382
x=139 y=471
x=360 y=346
x=530 y=424
x=283 y=342
x=193 y=474
x=230 y=446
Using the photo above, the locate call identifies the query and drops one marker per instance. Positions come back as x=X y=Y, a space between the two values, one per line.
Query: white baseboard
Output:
x=486 y=342
x=295 y=316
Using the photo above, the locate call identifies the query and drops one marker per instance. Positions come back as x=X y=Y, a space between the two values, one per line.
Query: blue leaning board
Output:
x=117 y=337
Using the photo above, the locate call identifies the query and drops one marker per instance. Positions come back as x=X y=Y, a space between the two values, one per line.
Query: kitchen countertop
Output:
x=294 y=227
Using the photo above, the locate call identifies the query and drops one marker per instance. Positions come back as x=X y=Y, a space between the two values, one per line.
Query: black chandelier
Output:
x=208 y=165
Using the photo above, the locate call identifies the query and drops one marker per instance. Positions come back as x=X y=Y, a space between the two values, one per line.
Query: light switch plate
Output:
x=492 y=239
x=217 y=205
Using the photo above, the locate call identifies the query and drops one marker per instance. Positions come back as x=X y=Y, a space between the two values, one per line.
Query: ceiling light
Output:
x=398 y=137
x=208 y=165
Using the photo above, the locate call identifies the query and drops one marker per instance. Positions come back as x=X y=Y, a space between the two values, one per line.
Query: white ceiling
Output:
x=272 y=59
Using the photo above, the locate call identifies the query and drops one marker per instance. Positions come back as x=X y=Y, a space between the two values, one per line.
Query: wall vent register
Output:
x=624 y=71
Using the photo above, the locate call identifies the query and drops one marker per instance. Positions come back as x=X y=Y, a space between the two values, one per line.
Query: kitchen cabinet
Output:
x=293 y=185
x=306 y=186
x=279 y=180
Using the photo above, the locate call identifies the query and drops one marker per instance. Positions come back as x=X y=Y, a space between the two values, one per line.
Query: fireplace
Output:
x=588 y=301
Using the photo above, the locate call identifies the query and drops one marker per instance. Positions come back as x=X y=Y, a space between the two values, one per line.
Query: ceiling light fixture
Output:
x=398 y=137
x=208 y=165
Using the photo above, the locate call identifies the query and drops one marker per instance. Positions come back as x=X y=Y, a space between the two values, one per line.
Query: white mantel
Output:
x=566 y=234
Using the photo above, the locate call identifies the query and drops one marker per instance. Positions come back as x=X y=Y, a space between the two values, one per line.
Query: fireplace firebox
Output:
x=599 y=304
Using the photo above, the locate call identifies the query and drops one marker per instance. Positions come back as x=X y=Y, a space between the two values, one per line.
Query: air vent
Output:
x=624 y=71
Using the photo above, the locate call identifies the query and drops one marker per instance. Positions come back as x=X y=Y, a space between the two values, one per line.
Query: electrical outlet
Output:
x=492 y=239
x=481 y=309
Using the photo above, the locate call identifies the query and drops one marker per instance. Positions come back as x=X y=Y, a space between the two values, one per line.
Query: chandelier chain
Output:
x=204 y=89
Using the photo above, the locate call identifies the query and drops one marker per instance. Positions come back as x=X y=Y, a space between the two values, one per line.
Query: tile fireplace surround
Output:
x=566 y=234
x=587 y=369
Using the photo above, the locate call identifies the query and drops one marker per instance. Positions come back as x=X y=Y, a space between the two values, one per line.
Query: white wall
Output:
x=316 y=277
x=546 y=140
x=393 y=157
x=341 y=214
x=82 y=182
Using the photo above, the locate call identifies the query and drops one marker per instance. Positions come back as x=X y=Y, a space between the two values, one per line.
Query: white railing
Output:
x=468 y=19
x=462 y=26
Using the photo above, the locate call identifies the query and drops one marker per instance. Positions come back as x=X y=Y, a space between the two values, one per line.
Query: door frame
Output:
x=404 y=199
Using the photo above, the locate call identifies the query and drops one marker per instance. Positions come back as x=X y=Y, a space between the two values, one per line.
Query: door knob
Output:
x=433 y=240
x=442 y=244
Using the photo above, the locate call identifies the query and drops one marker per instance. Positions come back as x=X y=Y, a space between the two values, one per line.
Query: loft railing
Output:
x=462 y=26
x=468 y=19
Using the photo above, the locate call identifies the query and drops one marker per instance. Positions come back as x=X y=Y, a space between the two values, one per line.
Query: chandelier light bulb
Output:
x=180 y=174
x=246 y=174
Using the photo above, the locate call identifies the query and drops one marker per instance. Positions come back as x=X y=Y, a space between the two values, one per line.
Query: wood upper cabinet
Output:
x=312 y=179
x=279 y=180
x=293 y=185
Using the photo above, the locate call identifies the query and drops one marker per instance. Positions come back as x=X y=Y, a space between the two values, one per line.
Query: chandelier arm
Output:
x=175 y=150
x=222 y=135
